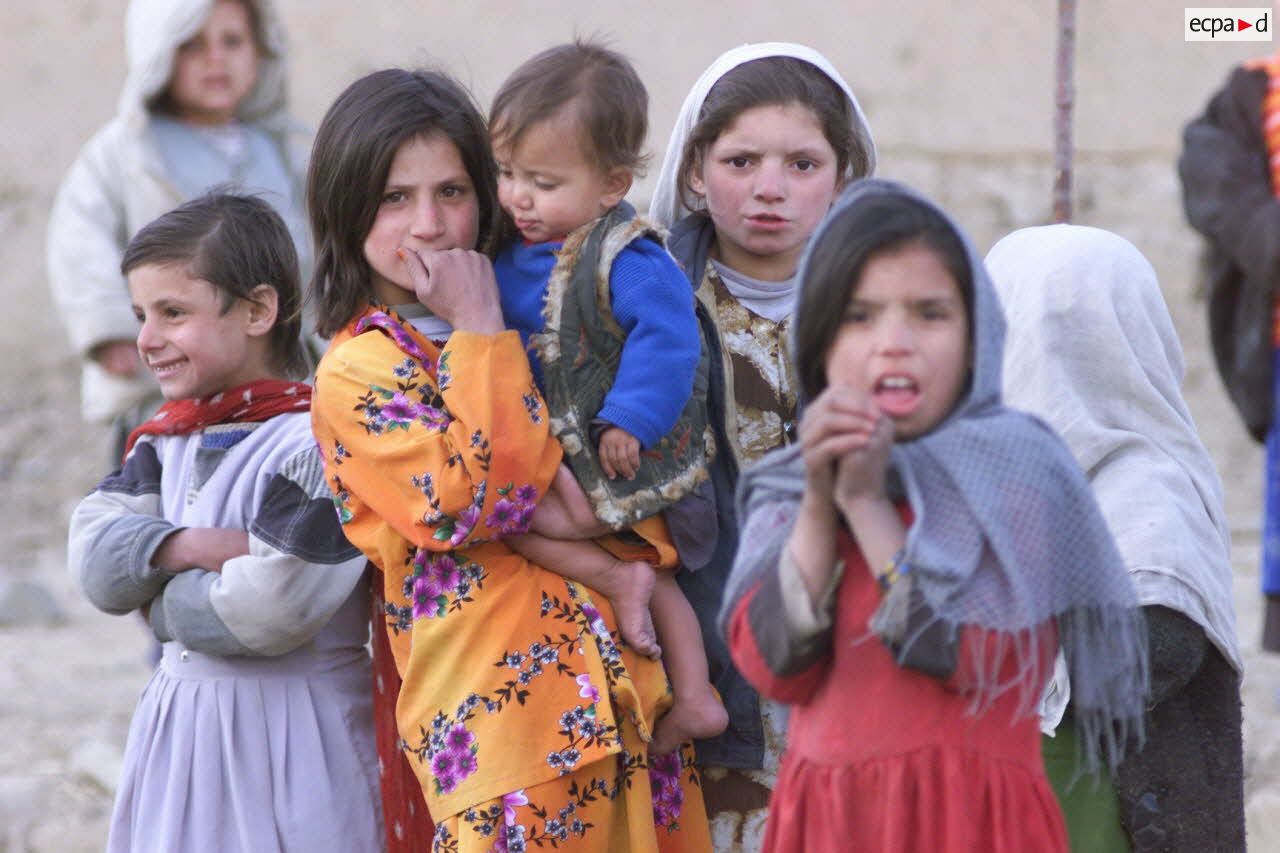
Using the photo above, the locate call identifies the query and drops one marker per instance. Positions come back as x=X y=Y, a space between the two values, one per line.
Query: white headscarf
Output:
x=153 y=31
x=1092 y=350
x=666 y=207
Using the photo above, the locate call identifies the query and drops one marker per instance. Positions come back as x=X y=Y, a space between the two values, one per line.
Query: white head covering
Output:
x=1092 y=350
x=153 y=31
x=666 y=207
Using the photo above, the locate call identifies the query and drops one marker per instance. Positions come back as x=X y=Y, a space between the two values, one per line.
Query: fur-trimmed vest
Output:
x=580 y=348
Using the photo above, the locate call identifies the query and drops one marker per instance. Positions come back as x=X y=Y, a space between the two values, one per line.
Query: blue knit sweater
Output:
x=652 y=302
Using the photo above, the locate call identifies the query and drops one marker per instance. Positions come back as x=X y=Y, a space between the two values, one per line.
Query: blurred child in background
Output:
x=204 y=104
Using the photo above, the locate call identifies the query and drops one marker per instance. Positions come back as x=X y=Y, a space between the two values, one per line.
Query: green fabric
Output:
x=580 y=348
x=1089 y=806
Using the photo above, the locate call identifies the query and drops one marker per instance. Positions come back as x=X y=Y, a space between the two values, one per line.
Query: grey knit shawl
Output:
x=1006 y=536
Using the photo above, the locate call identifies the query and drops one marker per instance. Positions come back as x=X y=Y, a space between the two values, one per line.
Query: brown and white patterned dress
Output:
x=760 y=382
x=760 y=415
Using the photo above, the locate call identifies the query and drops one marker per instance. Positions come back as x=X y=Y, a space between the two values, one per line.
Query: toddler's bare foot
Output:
x=630 y=588
x=693 y=717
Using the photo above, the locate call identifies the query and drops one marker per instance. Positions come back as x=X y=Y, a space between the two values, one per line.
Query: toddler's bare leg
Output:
x=630 y=587
x=697 y=711
x=627 y=584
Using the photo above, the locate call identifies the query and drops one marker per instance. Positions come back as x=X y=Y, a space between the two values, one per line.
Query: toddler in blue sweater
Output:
x=612 y=320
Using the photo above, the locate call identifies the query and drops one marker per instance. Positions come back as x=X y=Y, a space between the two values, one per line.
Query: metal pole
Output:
x=1064 y=103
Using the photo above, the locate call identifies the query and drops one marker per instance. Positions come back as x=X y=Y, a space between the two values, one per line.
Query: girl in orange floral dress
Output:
x=522 y=718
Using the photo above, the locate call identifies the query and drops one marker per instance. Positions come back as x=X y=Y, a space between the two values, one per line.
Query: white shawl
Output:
x=1092 y=350
x=153 y=31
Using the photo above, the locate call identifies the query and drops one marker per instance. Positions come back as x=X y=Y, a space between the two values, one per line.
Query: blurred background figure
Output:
x=204 y=104
x=1230 y=170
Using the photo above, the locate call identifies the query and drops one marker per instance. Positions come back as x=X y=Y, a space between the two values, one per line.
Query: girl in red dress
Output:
x=910 y=569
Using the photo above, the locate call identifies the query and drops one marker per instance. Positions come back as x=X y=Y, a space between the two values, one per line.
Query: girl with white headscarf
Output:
x=765 y=139
x=169 y=141
x=1093 y=351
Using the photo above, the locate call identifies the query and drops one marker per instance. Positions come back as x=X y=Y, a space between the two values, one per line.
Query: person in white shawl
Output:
x=148 y=160
x=1092 y=350
x=758 y=94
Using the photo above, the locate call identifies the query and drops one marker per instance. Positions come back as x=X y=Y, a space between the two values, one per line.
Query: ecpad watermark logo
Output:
x=1235 y=24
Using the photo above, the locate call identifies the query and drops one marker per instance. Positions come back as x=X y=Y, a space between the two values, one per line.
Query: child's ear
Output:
x=617 y=183
x=264 y=305
x=693 y=180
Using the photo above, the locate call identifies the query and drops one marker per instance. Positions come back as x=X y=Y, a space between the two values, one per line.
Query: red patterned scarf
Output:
x=251 y=403
x=1271 y=115
x=409 y=828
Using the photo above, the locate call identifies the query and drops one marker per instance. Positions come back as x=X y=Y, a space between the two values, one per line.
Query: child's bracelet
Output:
x=894 y=572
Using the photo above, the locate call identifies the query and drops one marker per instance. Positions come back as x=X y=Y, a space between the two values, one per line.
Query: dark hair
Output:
x=775 y=81
x=352 y=154
x=236 y=243
x=852 y=237
x=609 y=103
x=162 y=101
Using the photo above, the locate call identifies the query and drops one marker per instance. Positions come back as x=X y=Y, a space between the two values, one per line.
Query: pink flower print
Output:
x=466 y=764
x=431 y=589
x=464 y=524
x=406 y=343
x=459 y=739
x=664 y=783
x=433 y=418
x=373 y=318
x=424 y=606
x=400 y=410
x=457 y=760
x=409 y=345
x=511 y=802
x=441 y=576
x=586 y=690
x=527 y=494
x=595 y=620
x=507 y=518
x=444 y=767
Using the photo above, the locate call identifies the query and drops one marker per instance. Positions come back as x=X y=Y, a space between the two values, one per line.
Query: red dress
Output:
x=885 y=758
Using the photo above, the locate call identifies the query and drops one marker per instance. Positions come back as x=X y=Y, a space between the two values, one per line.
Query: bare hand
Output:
x=861 y=473
x=838 y=422
x=119 y=358
x=458 y=286
x=205 y=548
x=619 y=453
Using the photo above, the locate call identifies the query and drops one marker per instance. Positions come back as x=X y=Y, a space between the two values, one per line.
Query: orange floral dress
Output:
x=523 y=719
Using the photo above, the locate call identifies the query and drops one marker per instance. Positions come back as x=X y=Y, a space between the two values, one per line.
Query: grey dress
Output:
x=255 y=733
